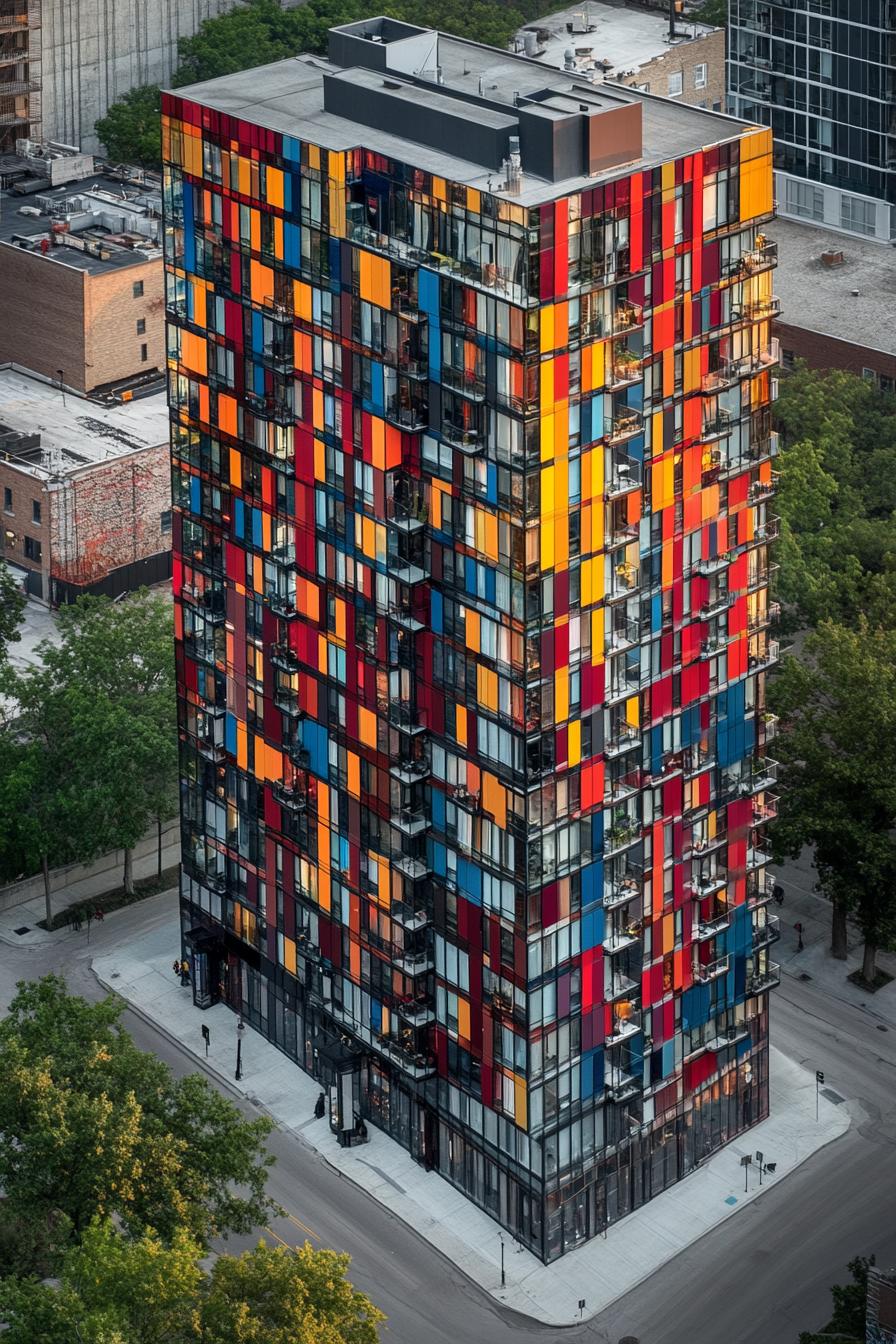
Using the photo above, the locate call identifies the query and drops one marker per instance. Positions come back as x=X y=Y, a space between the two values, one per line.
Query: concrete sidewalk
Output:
x=803 y=905
x=600 y=1271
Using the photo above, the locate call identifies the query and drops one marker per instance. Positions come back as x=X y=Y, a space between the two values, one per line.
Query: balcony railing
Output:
x=469 y=440
x=711 y=928
x=620 y=1084
x=625 y=427
x=622 y=738
x=292 y=796
x=624 y=1027
x=766 y=933
x=619 y=987
x=412 y=416
x=711 y=970
x=624 y=475
x=628 y=316
x=409 y=821
x=760 y=981
x=618 y=894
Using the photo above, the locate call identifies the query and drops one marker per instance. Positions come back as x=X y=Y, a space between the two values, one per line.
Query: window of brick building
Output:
x=32 y=549
x=138 y=289
x=144 y=353
x=165 y=521
x=7 y=499
x=700 y=76
x=35 y=510
x=141 y=325
x=676 y=84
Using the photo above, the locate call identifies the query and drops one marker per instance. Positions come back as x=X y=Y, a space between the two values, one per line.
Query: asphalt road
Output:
x=759 y=1279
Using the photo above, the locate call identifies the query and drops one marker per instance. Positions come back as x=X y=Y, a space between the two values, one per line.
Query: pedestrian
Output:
x=99 y=915
x=778 y=893
x=76 y=921
x=175 y=966
x=185 y=972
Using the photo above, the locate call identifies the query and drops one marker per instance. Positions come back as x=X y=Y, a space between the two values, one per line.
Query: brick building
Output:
x=92 y=256
x=632 y=47
x=837 y=295
x=85 y=491
x=471 y=376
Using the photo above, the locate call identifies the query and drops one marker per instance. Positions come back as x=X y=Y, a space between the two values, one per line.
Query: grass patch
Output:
x=113 y=900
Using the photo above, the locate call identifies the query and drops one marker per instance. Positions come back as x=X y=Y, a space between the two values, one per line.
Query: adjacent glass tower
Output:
x=821 y=74
x=471 y=373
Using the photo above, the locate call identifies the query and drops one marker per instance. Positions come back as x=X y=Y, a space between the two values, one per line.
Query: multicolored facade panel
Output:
x=472 y=480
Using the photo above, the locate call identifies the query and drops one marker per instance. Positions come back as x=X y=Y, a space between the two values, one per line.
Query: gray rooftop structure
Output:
x=852 y=299
x=93 y=225
x=456 y=108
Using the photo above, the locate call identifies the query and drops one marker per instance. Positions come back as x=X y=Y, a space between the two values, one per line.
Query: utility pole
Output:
x=672 y=32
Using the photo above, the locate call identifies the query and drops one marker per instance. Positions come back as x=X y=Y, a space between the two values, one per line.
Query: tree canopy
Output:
x=261 y=31
x=12 y=609
x=90 y=1127
x=91 y=760
x=850 y=1306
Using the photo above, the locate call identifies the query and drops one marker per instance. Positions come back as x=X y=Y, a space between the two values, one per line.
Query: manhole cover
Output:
x=804 y=975
x=835 y=1097
x=23 y=929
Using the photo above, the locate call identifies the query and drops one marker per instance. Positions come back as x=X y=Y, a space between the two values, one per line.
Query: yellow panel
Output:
x=274 y=180
x=574 y=742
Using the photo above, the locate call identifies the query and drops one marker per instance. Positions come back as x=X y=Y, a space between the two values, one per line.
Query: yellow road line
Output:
x=303 y=1227
x=279 y=1238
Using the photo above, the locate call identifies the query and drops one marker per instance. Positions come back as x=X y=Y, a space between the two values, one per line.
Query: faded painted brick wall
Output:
x=110 y=515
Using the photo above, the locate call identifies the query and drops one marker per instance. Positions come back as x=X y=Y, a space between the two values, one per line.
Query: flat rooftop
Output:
x=114 y=230
x=617 y=41
x=467 y=100
x=74 y=433
x=821 y=298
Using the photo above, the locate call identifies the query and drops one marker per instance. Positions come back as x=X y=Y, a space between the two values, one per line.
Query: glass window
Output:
x=700 y=76
x=676 y=84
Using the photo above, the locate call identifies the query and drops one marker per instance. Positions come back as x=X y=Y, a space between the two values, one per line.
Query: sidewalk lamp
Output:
x=746 y=1162
x=501 y=1239
x=240 y=1033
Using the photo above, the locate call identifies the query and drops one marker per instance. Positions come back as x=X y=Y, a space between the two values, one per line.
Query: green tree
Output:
x=838 y=757
x=253 y=34
x=714 y=12
x=90 y=1127
x=848 y=1320
x=114 y=1290
x=131 y=130
x=12 y=609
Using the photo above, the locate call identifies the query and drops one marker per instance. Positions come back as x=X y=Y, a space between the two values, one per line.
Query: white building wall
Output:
x=96 y=50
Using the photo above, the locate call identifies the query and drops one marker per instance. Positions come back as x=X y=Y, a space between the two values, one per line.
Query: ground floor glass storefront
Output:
x=549 y=1217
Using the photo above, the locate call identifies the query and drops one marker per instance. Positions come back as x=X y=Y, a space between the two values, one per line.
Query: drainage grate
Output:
x=835 y=1097
x=23 y=929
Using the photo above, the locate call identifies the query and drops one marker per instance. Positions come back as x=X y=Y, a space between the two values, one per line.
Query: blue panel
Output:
x=656 y=751
x=593 y=928
x=592 y=883
x=189 y=229
x=597 y=832
x=438 y=858
x=377 y=392
x=292 y=247
x=256 y=527
x=491 y=482
x=592 y=1073
x=316 y=743
x=469 y=880
x=428 y=292
x=656 y=613
x=668 y=1053
x=695 y=1007
x=335 y=263
x=195 y=495
x=376 y=1015
x=230 y=733
x=292 y=149
x=437 y=806
x=239 y=518
x=436 y=611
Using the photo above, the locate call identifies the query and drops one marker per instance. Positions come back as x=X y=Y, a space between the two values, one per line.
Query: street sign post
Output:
x=819 y=1080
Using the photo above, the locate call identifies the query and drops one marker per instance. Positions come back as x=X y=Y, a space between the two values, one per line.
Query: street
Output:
x=761 y=1277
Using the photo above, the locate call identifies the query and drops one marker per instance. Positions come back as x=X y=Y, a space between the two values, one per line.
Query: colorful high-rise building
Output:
x=471 y=379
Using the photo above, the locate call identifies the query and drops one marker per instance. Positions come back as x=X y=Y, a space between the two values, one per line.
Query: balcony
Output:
x=624 y=1028
x=619 y=987
x=708 y=884
x=625 y=426
x=284 y=657
x=711 y=928
x=401 y=613
x=410 y=821
x=711 y=970
x=405 y=717
x=625 y=370
x=761 y=981
x=765 y=811
x=761 y=309
x=700 y=846
x=620 y=533
x=414 y=963
x=757 y=858
x=619 y=894
x=717 y=426
x=286 y=698
x=621 y=1085
x=619 y=787
x=715 y=564
x=625 y=581
x=414 y=1063
x=411 y=866
x=621 y=837
x=282 y=604
x=292 y=796
x=768 y=726
x=766 y=933
x=766 y=657
x=624 y=737
x=279 y=355
x=409 y=769
x=760 y=890
x=623 y=476
x=408 y=917
x=469 y=440
x=404 y=571
x=618 y=940
x=469 y=382
x=623 y=681
x=412 y=416
x=628 y=317
x=763 y=254
x=406 y=508
x=713 y=645
x=417 y=1012
x=763 y=775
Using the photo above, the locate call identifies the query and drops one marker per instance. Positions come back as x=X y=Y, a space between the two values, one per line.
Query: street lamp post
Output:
x=240 y=1033
x=501 y=1239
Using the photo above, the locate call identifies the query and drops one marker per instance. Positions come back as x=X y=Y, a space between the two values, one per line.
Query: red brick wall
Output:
x=110 y=515
x=826 y=352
